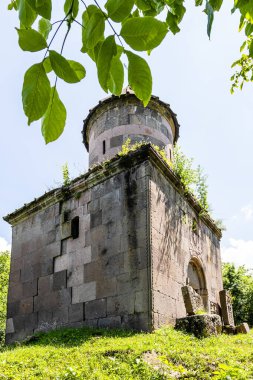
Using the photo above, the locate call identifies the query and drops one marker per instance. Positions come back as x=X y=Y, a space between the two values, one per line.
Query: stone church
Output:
x=115 y=247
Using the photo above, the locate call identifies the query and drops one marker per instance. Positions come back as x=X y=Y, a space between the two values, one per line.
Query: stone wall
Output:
x=99 y=278
x=123 y=264
x=177 y=237
x=115 y=122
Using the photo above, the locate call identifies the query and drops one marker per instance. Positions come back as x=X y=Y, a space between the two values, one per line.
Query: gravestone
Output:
x=243 y=328
x=192 y=300
x=226 y=308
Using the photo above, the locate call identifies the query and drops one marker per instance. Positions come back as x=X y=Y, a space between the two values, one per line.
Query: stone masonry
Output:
x=113 y=249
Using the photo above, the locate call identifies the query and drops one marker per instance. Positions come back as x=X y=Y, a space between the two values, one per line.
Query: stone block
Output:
x=15 y=292
x=76 y=312
x=62 y=262
x=60 y=280
x=113 y=265
x=84 y=292
x=31 y=322
x=226 y=308
x=137 y=321
x=96 y=219
x=120 y=305
x=116 y=141
x=9 y=326
x=65 y=230
x=110 y=322
x=141 y=301
x=81 y=257
x=75 y=276
x=30 y=288
x=19 y=323
x=12 y=309
x=45 y=316
x=163 y=303
x=106 y=288
x=200 y=325
x=61 y=316
x=51 y=236
x=26 y=306
x=64 y=297
x=192 y=300
x=243 y=328
x=95 y=309
x=15 y=276
x=45 y=284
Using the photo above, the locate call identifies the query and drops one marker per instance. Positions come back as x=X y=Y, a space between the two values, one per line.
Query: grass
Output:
x=102 y=354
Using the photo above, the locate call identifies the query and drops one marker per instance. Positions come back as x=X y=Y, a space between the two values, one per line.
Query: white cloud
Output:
x=4 y=245
x=239 y=252
x=247 y=212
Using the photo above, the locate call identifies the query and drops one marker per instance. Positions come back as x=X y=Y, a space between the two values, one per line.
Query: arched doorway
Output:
x=196 y=279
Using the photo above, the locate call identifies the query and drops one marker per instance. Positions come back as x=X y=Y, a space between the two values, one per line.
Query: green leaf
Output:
x=54 y=120
x=251 y=49
x=172 y=23
x=69 y=71
x=35 y=92
x=88 y=26
x=27 y=14
x=248 y=29
x=178 y=10
x=198 y=3
x=78 y=69
x=139 y=77
x=44 y=8
x=143 y=33
x=94 y=30
x=243 y=46
x=44 y=27
x=143 y=5
x=31 y=40
x=93 y=53
x=216 y=4
x=107 y=51
x=209 y=11
x=118 y=10
x=47 y=65
x=116 y=78
x=75 y=7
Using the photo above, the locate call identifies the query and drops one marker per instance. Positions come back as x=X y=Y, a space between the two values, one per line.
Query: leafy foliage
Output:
x=65 y=175
x=137 y=24
x=239 y=281
x=4 y=280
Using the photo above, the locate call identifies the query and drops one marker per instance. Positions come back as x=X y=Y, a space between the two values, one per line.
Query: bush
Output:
x=4 y=280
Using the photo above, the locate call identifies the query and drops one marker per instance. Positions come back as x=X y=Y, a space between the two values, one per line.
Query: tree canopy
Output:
x=112 y=33
x=239 y=282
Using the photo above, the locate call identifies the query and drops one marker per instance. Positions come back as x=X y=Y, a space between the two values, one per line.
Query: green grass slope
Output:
x=101 y=354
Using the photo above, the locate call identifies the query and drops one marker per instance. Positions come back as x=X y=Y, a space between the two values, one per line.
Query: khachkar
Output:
x=115 y=247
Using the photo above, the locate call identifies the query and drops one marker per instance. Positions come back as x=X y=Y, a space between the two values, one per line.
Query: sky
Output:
x=190 y=73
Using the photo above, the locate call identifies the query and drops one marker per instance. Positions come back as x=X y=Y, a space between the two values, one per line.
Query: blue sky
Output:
x=189 y=72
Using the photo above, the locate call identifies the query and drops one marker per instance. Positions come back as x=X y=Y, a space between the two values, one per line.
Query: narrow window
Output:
x=75 y=227
x=103 y=146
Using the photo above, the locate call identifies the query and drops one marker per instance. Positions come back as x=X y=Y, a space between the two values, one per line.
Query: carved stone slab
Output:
x=243 y=328
x=192 y=300
x=226 y=308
